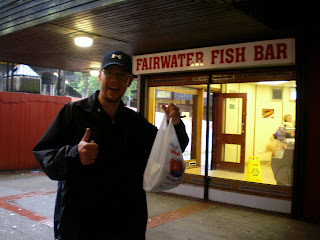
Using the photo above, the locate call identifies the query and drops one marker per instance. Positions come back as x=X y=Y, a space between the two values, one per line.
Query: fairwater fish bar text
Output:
x=264 y=53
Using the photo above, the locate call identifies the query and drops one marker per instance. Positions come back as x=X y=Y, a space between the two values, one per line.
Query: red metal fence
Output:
x=23 y=120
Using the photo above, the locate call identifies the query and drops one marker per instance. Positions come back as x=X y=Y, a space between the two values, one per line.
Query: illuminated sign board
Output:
x=264 y=53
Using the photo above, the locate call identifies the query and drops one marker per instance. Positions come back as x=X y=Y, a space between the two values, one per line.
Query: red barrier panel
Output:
x=23 y=120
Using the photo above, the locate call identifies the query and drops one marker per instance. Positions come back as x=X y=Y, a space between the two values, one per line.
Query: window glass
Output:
x=48 y=81
x=251 y=129
x=183 y=98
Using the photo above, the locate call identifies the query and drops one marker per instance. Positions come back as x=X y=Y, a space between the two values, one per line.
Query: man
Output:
x=98 y=149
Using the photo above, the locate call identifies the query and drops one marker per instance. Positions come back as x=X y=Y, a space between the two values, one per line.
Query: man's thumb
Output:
x=87 y=135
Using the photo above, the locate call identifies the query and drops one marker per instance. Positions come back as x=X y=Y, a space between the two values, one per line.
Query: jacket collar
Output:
x=89 y=104
x=92 y=104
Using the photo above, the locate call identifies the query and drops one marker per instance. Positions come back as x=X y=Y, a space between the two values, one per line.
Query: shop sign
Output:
x=264 y=53
x=267 y=74
x=200 y=79
x=216 y=77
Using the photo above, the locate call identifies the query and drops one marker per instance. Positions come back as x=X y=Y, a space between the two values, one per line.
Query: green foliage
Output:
x=94 y=85
x=130 y=92
x=78 y=84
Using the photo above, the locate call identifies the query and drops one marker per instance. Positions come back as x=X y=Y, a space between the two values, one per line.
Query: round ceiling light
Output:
x=83 y=41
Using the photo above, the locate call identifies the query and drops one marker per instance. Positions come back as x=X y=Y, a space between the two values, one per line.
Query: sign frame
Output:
x=252 y=54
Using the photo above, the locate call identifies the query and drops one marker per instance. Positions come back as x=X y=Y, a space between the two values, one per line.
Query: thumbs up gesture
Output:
x=88 y=151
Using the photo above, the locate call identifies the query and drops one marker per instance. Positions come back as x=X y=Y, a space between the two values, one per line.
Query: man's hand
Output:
x=88 y=151
x=172 y=111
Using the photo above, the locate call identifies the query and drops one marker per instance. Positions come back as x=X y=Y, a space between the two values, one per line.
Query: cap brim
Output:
x=116 y=63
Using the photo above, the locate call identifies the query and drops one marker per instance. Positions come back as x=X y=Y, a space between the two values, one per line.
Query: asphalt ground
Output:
x=27 y=204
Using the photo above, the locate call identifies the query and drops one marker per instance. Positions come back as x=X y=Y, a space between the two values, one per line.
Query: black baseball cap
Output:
x=117 y=58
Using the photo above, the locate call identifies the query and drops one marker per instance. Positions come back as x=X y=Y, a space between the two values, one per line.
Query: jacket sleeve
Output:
x=182 y=135
x=55 y=156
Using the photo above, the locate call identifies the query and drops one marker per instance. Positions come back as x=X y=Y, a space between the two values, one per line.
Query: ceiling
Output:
x=141 y=27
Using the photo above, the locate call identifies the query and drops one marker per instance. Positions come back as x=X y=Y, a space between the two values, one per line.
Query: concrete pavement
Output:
x=27 y=205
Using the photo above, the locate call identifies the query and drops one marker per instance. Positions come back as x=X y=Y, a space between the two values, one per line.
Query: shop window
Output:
x=184 y=98
x=247 y=120
x=293 y=94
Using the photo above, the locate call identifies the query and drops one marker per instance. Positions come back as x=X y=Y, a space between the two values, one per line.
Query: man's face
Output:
x=114 y=82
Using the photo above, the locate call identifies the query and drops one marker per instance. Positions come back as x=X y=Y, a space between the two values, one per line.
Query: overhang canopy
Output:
x=42 y=34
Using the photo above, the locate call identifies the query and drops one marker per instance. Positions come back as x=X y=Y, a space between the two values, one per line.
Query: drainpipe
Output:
x=7 y=80
x=11 y=83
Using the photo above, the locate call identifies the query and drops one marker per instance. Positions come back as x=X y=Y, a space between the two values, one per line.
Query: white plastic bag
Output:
x=165 y=168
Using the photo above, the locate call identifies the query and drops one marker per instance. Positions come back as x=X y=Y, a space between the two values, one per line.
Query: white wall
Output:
x=250 y=120
x=259 y=130
x=265 y=127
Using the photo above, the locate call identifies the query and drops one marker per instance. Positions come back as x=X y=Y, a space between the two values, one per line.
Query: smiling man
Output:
x=98 y=150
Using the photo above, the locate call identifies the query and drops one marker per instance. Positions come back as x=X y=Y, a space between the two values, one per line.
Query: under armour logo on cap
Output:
x=116 y=56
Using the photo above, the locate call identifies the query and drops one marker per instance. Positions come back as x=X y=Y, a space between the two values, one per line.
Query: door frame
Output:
x=197 y=115
x=223 y=77
x=220 y=138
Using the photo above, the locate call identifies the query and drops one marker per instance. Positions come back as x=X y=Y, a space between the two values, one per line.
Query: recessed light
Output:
x=83 y=41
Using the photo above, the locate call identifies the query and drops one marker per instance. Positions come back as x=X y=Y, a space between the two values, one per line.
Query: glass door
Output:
x=229 y=132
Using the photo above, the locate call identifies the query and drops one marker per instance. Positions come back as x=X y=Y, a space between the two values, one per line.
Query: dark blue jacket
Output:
x=106 y=198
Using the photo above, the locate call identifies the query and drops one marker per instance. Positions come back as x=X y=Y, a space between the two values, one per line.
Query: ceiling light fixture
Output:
x=83 y=41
